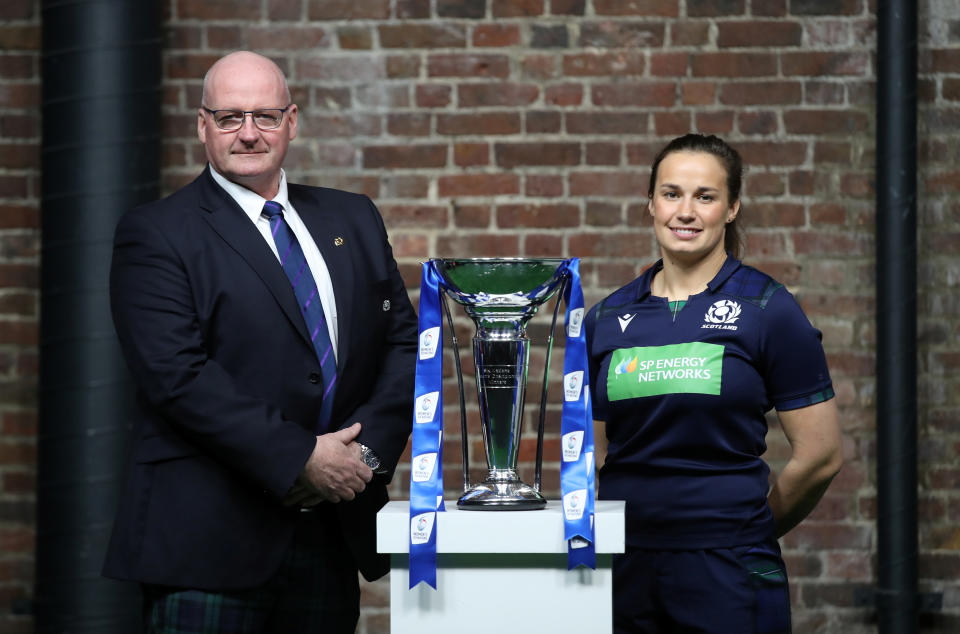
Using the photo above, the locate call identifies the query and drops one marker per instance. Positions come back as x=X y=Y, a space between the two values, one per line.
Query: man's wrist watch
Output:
x=371 y=459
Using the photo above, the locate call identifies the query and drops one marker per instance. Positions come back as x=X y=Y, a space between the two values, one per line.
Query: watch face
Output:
x=370 y=458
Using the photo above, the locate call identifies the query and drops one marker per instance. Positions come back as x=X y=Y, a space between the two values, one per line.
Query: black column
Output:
x=101 y=71
x=896 y=177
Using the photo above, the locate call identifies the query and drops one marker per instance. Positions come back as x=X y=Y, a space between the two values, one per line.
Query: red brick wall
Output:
x=526 y=127
x=19 y=302
x=938 y=306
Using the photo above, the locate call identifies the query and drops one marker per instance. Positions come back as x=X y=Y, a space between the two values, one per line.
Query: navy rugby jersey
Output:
x=683 y=388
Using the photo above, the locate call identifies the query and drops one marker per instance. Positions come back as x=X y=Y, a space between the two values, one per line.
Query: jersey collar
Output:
x=643 y=283
x=730 y=265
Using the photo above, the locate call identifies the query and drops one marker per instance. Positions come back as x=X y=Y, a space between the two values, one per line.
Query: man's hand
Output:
x=334 y=471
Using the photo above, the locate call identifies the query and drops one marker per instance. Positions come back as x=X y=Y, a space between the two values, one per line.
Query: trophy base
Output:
x=501 y=496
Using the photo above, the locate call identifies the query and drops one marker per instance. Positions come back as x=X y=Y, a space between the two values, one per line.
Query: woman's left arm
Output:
x=816 y=457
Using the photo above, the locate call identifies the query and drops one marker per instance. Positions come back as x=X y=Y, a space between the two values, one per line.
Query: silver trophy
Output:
x=500 y=295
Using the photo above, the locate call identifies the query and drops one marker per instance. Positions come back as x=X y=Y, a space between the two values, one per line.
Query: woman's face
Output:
x=690 y=206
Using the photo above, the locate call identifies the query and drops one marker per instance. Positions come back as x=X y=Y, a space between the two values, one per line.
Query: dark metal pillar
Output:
x=896 y=178
x=101 y=70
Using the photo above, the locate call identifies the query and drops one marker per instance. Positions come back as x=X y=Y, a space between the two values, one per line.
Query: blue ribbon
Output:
x=576 y=429
x=426 y=473
x=426 y=464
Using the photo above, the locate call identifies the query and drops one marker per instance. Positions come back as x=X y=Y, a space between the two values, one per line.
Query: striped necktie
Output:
x=294 y=264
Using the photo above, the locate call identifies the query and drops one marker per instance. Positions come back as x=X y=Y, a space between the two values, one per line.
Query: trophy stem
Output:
x=501 y=365
x=501 y=356
x=463 y=406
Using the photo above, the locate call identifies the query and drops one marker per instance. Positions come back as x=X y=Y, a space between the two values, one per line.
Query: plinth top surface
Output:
x=461 y=531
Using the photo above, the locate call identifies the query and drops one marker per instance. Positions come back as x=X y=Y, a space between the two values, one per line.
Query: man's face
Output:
x=250 y=157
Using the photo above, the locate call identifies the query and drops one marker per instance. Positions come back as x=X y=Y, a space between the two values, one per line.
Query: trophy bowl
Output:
x=500 y=295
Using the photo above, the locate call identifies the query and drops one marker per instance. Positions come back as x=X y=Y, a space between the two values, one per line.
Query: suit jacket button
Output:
x=314 y=377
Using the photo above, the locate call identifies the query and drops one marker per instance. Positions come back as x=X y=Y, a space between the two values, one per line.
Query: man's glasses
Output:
x=232 y=120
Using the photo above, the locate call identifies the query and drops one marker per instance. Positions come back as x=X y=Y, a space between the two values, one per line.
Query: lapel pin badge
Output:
x=338 y=241
x=386 y=305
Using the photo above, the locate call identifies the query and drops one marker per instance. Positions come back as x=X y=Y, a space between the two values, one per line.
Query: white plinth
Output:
x=501 y=571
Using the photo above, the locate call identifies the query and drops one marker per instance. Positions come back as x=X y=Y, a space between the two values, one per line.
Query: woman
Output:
x=685 y=361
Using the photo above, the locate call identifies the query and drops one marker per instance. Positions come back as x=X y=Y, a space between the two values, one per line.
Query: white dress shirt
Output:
x=252 y=205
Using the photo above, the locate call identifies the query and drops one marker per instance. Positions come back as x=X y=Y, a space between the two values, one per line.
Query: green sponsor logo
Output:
x=684 y=368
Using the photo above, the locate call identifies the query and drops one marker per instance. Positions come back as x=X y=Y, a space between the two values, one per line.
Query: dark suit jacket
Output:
x=227 y=381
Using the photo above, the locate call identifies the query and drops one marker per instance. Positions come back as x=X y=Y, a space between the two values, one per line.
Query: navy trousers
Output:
x=315 y=591
x=719 y=591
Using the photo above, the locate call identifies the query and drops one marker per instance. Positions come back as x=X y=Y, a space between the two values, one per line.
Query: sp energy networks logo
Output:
x=627 y=366
x=722 y=315
x=684 y=368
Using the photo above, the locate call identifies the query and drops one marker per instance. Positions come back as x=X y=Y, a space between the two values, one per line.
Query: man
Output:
x=273 y=345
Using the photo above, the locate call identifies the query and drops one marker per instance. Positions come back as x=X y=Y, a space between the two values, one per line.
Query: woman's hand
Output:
x=816 y=457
